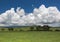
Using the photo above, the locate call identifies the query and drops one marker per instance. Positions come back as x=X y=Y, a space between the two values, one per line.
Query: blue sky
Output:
x=27 y=5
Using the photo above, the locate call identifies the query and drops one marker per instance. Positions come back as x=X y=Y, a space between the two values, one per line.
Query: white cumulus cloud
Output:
x=41 y=15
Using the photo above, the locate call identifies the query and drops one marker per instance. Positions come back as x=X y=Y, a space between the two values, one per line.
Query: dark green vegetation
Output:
x=31 y=28
x=30 y=36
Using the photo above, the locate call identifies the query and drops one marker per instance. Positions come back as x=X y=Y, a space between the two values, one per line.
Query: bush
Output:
x=57 y=30
x=10 y=29
x=2 y=29
x=31 y=28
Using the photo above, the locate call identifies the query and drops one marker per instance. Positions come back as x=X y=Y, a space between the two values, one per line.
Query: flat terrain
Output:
x=30 y=36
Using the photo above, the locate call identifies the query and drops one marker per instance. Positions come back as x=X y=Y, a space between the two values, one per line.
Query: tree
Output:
x=46 y=27
x=10 y=29
x=32 y=28
x=38 y=28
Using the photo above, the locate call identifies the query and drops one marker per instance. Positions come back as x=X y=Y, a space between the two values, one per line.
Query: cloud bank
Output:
x=39 y=16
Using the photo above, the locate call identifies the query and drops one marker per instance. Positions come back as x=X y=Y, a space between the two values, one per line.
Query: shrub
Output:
x=57 y=30
x=10 y=29
x=2 y=29
x=31 y=28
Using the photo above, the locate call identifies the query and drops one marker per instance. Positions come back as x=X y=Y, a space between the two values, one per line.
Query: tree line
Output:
x=34 y=28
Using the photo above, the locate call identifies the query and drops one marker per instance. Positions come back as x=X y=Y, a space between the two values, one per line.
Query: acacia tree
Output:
x=46 y=27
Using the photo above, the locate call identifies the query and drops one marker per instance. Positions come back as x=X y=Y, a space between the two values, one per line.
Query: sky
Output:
x=27 y=5
x=29 y=12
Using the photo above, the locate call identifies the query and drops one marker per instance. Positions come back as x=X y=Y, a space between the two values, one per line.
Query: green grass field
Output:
x=30 y=36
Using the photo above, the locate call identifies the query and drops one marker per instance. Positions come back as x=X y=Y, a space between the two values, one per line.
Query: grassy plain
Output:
x=30 y=36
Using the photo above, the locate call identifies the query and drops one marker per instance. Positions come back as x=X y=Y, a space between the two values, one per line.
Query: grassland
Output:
x=30 y=36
